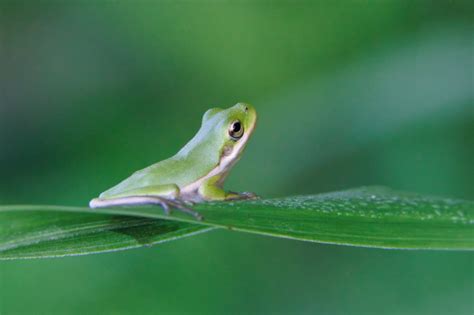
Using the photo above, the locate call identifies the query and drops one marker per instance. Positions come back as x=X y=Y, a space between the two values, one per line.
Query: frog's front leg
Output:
x=211 y=189
x=167 y=196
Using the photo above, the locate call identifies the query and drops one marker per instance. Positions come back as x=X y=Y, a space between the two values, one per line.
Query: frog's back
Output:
x=194 y=161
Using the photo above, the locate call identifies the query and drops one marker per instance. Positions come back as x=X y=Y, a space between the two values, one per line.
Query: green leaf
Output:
x=369 y=216
x=56 y=231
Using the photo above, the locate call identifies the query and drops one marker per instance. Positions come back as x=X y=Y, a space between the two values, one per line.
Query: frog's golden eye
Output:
x=236 y=130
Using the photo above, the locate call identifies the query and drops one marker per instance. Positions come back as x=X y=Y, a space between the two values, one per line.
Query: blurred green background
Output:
x=349 y=93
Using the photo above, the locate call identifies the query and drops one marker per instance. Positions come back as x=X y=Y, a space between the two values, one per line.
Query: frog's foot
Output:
x=183 y=206
x=167 y=204
x=242 y=196
x=188 y=203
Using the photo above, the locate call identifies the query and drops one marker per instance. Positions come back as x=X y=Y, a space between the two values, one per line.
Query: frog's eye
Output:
x=236 y=130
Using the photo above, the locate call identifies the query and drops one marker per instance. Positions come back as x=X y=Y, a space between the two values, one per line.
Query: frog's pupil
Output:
x=236 y=127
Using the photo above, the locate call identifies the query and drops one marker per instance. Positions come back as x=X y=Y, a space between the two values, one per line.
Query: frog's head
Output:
x=233 y=126
x=222 y=137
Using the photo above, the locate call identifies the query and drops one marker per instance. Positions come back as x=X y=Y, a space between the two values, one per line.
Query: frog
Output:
x=196 y=173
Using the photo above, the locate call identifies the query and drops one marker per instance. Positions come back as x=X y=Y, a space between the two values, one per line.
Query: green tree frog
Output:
x=197 y=172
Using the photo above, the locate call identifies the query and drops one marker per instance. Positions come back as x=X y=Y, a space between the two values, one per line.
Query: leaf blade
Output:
x=368 y=217
x=53 y=233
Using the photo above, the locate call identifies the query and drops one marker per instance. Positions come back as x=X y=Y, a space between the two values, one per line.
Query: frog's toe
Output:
x=249 y=195
x=241 y=196
x=183 y=206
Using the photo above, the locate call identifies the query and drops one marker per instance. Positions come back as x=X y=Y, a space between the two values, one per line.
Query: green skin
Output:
x=197 y=172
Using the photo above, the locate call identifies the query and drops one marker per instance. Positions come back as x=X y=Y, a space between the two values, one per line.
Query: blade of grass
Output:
x=368 y=216
x=70 y=231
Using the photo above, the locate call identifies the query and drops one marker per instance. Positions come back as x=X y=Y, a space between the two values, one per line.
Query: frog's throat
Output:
x=222 y=169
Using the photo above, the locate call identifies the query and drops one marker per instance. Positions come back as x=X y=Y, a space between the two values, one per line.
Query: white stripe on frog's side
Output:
x=190 y=192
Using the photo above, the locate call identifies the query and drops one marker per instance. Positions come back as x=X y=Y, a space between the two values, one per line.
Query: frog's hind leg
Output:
x=164 y=195
x=166 y=204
